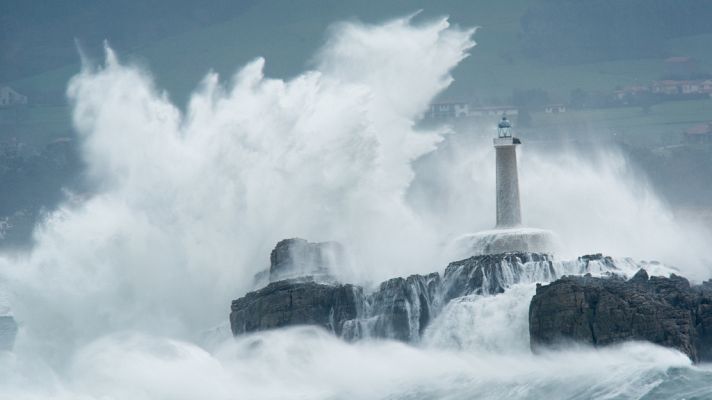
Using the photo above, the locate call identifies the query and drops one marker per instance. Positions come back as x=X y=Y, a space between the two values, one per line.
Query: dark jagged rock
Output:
x=603 y=311
x=296 y=302
x=604 y=260
x=400 y=308
x=296 y=257
x=491 y=274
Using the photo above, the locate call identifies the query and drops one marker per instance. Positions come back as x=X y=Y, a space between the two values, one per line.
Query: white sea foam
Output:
x=308 y=363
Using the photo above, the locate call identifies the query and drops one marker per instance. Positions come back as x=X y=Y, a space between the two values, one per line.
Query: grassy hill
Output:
x=662 y=125
x=179 y=41
x=287 y=33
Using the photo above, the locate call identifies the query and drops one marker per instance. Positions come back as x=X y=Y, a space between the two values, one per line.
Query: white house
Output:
x=633 y=90
x=9 y=97
x=669 y=87
x=448 y=110
x=701 y=133
x=493 y=111
x=555 y=108
x=707 y=85
x=691 y=87
x=461 y=110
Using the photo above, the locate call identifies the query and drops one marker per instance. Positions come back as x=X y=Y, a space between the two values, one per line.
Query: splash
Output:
x=191 y=203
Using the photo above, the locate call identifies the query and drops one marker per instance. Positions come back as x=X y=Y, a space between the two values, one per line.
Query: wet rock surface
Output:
x=598 y=311
x=603 y=311
x=293 y=258
x=296 y=302
x=399 y=308
x=490 y=274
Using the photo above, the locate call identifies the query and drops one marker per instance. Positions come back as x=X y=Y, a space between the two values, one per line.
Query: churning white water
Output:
x=115 y=299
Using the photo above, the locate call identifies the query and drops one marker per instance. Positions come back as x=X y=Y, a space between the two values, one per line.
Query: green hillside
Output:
x=287 y=33
x=287 y=36
x=549 y=46
x=662 y=125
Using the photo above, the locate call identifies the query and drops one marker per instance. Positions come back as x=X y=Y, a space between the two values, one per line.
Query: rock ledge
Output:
x=602 y=311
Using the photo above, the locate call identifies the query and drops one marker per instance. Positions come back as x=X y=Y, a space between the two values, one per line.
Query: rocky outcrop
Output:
x=491 y=274
x=296 y=302
x=603 y=311
x=400 y=308
x=293 y=258
x=588 y=259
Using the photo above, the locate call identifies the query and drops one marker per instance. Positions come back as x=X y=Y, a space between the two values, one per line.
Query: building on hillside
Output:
x=682 y=87
x=631 y=91
x=706 y=86
x=701 y=133
x=669 y=87
x=448 y=110
x=461 y=110
x=9 y=97
x=493 y=111
x=691 y=87
x=681 y=66
x=555 y=109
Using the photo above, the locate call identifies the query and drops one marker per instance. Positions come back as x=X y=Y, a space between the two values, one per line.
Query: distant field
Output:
x=288 y=41
x=35 y=125
x=664 y=124
x=495 y=68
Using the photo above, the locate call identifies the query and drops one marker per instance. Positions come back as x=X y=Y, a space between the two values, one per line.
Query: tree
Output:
x=578 y=98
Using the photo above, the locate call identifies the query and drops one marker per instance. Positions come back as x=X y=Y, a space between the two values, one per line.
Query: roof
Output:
x=671 y=82
x=678 y=60
x=701 y=129
x=636 y=88
x=487 y=108
x=449 y=103
x=667 y=82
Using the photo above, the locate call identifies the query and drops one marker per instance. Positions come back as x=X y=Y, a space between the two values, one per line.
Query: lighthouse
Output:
x=509 y=235
x=509 y=213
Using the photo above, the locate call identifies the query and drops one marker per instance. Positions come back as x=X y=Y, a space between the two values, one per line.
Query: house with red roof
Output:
x=701 y=133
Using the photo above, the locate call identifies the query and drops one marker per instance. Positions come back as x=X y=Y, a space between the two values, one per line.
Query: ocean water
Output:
x=126 y=293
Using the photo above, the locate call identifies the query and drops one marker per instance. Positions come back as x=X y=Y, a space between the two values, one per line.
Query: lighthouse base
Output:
x=530 y=240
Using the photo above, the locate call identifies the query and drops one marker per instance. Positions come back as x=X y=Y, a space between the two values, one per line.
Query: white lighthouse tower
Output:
x=509 y=212
x=509 y=234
